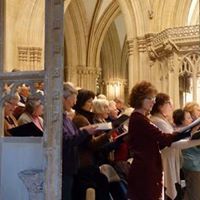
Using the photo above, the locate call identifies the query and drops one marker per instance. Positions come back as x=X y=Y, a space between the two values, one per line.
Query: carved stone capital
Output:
x=130 y=45
x=152 y=53
x=88 y=70
x=142 y=47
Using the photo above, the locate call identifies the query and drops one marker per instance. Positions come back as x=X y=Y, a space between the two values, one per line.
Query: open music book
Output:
x=190 y=126
x=114 y=124
x=104 y=126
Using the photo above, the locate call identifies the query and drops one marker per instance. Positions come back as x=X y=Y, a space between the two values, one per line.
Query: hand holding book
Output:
x=195 y=135
x=195 y=124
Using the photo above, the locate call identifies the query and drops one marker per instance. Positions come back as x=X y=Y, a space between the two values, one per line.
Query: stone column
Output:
x=144 y=68
x=71 y=74
x=176 y=82
x=87 y=77
x=194 y=87
x=172 y=92
x=133 y=70
x=54 y=41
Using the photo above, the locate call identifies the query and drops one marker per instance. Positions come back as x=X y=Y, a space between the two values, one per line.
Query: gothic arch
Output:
x=75 y=41
x=98 y=34
x=105 y=22
x=91 y=49
x=190 y=63
x=189 y=71
x=111 y=54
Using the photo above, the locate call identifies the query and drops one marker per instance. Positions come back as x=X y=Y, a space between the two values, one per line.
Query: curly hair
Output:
x=82 y=97
x=161 y=99
x=191 y=107
x=179 y=116
x=139 y=92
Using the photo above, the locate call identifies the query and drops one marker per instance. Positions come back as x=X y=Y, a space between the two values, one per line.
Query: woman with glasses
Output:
x=145 y=140
x=33 y=112
x=162 y=113
x=10 y=121
x=162 y=117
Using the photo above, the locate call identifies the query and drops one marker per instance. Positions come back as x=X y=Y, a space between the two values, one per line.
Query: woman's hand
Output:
x=90 y=129
x=195 y=129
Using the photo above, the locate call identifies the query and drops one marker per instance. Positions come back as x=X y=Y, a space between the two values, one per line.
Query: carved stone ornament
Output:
x=150 y=13
x=180 y=39
x=33 y=180
x=152 y=54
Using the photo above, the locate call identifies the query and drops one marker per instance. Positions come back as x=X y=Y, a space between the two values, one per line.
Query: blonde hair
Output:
x=190 y=107
x=99 y=105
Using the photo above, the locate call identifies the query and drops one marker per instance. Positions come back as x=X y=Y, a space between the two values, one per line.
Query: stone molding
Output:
x=180 y=39
x=116 y=81
x=29 y=57
x=142 y=44
x=130 y=45
x=88 y=70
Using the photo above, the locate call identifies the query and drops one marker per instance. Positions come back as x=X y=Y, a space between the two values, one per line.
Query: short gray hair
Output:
x=32 y=102
x=11 y=97
x=69 y=89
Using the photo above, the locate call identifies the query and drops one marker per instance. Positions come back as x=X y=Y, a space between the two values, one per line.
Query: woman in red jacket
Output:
x=145 y=141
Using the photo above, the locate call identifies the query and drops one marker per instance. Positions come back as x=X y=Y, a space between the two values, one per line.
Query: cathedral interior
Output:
x=102 y=45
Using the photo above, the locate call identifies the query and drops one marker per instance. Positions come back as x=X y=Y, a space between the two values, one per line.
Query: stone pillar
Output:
x=115 y=88
x=144 y=66
x=194 y=87
x=87 y=77
x=71 y=74
x=171 y=91
x=133 y=68
x=54 y=41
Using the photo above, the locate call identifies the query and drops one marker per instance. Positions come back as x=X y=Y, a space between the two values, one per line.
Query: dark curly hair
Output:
x=139 y=92
x=161 y=99
x=82 y=97
x=178 y=116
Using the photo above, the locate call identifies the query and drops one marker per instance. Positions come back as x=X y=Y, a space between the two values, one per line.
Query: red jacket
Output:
x=145 y=176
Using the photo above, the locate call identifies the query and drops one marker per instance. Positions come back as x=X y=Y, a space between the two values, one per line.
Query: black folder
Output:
x=29 y=129
x=196 y=135
x=120 y=120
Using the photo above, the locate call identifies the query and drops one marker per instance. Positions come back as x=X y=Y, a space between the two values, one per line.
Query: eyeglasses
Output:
x=168 y=102
x=151 y=98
